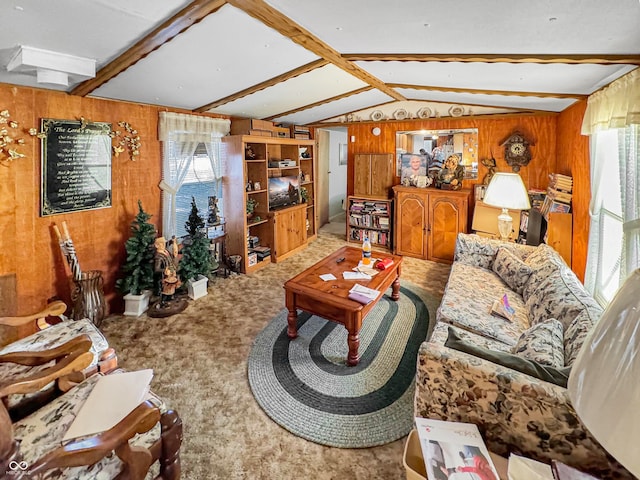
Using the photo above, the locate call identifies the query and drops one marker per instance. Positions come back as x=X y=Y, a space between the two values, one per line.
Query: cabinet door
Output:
x=448 y=218
x=411 y=223
x=290 y=231
x=362 y=175
x=382 y=174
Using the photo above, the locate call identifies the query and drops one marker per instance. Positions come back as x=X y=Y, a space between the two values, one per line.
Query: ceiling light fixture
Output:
x=51 y=67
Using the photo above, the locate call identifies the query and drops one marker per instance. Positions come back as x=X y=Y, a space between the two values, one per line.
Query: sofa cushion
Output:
x=480 y=252
x=441 y=332
x=561 y=296
x=543 y=343
x=543 y=261
x=467 y=300
x=511 y=269
x=509 y=360
x=575 y=335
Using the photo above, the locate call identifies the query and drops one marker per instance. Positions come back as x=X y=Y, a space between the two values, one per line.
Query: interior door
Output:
x=322 y=179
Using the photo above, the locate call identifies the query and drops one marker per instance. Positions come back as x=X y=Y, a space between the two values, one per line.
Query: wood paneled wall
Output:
x=557 y=147
x=28 y=246
x=573 y=159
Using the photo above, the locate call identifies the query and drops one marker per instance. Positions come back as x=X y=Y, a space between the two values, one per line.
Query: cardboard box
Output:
x=412 y=459
x=244 y=126
x=281 y=132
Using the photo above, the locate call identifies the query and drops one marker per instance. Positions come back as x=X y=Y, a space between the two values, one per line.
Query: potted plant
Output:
x=137 y=269
x=252 y=203
x=304 y=194
x=196 y=258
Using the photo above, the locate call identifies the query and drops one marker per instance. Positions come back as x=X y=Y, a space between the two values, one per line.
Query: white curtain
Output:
x=616 y=106
x=612 y=119
x=629 y=152
x=180 y=134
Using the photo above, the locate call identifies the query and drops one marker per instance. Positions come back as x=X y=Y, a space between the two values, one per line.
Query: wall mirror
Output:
x=438 y=145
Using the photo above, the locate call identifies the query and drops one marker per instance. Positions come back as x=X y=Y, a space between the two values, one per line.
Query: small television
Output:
x=283 y=191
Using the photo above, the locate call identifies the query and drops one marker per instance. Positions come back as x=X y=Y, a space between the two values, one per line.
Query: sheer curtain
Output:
x=180 y=134
x=612 y=119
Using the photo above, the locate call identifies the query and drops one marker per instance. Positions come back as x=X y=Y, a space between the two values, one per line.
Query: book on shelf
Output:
x=452 y=448
x=501 y=308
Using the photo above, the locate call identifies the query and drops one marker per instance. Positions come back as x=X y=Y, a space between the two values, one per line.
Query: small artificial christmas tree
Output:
x=196 y=258
x=138 y=267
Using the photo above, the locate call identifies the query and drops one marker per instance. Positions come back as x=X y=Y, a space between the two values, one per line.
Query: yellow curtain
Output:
x=615 y=106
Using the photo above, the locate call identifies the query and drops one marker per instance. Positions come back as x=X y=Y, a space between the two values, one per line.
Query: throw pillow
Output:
x=543 y=343
x=512 y=270
x=528 y=367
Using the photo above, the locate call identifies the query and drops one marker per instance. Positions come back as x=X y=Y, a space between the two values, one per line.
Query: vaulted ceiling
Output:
x=331 y=61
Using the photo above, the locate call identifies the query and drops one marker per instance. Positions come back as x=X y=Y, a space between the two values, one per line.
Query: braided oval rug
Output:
x=305 y=386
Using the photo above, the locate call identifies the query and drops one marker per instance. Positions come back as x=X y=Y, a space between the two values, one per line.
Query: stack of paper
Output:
x=113 y=397
x=355 y=276
x=522 y=468
x=363 y=294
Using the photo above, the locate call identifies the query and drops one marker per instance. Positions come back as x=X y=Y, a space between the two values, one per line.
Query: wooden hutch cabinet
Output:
x=427 y=221
x=373 y=175
x=251 y=164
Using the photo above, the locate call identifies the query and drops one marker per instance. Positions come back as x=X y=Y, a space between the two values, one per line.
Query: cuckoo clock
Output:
x=516 y=151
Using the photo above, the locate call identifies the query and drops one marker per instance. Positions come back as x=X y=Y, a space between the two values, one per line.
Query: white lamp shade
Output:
x=604 y=384
x=507 y=190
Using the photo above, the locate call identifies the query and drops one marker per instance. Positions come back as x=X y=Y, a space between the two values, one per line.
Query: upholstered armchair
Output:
x=33 y=447
x=40 y=350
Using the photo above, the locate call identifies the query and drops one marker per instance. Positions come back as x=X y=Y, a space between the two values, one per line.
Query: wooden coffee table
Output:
x=307 y=291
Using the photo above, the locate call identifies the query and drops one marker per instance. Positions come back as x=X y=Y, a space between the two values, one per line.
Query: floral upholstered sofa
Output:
x=515 y=411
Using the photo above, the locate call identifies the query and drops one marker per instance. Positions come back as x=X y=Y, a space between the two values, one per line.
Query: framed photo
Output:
x=342 y=154
x=412 y=164
x=256 y=186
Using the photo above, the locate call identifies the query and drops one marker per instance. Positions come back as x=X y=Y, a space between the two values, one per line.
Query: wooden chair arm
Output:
x=81 y=343
x=74 y=362
x=53 y=309
x=93 y=449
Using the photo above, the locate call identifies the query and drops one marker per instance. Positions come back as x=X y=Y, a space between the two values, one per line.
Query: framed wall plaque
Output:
x=76 y=166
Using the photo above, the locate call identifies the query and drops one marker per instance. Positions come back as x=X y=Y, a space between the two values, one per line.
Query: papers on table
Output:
x=355 y=276
x=328 y=276
x=371 y=293
x=113 y=397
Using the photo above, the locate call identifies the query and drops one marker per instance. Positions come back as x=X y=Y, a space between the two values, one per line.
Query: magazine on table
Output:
x=453 y=450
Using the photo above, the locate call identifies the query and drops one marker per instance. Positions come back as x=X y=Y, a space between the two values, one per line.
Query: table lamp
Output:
x=506 y=190
x=604 y=383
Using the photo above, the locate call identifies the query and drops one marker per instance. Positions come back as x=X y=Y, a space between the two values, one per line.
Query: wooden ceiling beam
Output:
x=631 y=59
x=167 y=31
x=267 y=83
x=321 y=102
x=271 y=17
x=510 y=93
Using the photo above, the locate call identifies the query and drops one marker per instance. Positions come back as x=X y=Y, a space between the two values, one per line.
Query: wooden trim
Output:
x=273 y=18
x=267 y=83
x=510 y=93
x=542 y=113
x=346 y=113
x=167 y=31
x=633 y=59
x=321 y=102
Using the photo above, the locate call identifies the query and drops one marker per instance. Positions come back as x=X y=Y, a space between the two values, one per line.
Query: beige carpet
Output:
x=200 y=362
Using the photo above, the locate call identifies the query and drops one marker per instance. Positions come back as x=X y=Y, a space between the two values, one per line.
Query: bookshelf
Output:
x=273 y=232
x=370 y=217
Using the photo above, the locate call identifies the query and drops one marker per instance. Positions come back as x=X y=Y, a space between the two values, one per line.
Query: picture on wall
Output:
x=76 y=166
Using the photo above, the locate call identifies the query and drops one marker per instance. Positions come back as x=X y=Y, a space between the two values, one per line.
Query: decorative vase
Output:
x=88 y=297
x=136 y=305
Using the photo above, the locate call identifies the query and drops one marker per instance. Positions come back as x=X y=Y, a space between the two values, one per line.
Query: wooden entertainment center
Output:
x=251 y=163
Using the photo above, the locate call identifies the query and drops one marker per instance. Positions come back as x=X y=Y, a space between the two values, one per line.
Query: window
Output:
x=200 y=182
x=614 y=240
x=190 y=167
